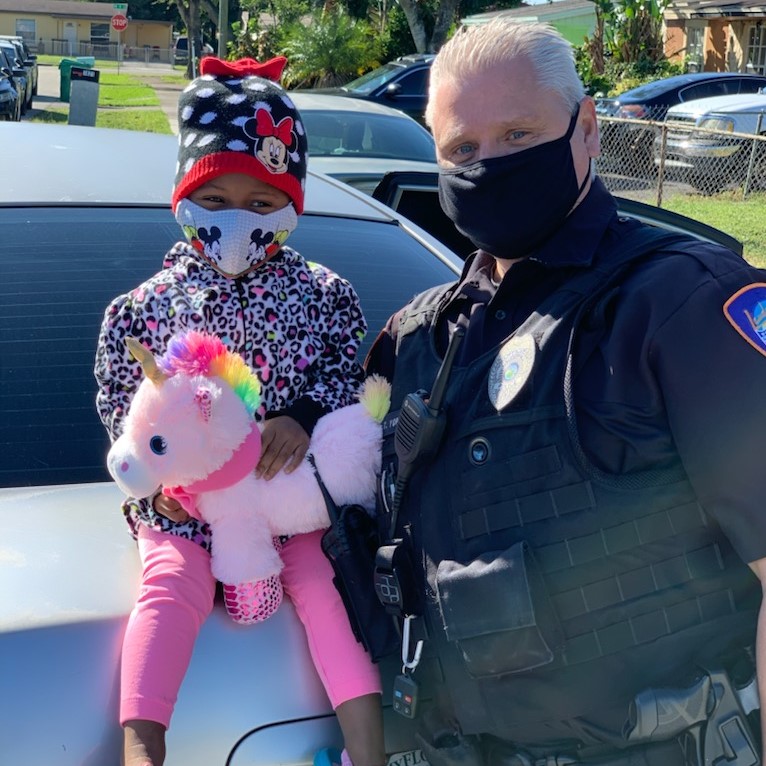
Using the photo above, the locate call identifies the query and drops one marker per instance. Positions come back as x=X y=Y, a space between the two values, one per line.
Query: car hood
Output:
x=743 y=102
x=73 y=561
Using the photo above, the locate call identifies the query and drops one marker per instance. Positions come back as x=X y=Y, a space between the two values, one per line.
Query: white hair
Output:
x=479 y=48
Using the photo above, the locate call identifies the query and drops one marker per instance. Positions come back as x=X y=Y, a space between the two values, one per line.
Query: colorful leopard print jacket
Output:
x=296 y=323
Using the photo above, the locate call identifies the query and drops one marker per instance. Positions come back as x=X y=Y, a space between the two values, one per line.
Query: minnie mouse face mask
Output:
x=234 y=242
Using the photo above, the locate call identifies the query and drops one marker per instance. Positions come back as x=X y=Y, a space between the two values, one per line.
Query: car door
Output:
x=408 y=92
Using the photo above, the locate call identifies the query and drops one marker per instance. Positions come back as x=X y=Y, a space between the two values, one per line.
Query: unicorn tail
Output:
x=376 y=397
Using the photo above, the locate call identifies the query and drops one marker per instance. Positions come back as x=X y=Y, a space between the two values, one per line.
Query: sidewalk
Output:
x=48 y=88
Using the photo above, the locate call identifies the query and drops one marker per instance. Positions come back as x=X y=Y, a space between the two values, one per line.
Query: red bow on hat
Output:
x=269 y=70
x=264 y=126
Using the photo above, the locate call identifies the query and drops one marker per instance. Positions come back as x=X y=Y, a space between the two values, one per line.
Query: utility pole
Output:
x=223 y=27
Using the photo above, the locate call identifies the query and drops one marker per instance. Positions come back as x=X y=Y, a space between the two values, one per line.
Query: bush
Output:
x=619 y=77
x=332 y=49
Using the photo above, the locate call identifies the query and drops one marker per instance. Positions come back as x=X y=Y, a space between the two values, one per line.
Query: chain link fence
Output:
x=649 y=160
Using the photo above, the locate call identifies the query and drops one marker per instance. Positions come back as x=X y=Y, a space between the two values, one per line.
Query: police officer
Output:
x=590 y=526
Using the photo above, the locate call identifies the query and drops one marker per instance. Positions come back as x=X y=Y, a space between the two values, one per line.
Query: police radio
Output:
x=417 y=437
x=420 y=427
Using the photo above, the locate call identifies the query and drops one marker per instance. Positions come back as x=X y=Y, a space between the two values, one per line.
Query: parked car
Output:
x=358 y=142
x=181 y=50
x=402 y=84
x=651 y=101
x=710 y=161
x=28 y=58
x=22 y=77
x=10 y=103
x=73 y=239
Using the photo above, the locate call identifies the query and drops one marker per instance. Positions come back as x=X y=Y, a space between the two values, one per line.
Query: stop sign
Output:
x=119 y=22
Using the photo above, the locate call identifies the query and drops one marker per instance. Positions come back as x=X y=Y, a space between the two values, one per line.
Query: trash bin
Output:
x=65 y=73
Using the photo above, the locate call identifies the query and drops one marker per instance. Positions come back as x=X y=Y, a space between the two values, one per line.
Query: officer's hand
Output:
x=284 y=445
x=169 y=508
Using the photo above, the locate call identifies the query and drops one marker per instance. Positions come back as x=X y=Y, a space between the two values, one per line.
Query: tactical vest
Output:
x=552 y=588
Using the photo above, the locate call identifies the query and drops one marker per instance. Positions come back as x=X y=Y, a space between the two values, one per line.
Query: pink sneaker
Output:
x=256 y=600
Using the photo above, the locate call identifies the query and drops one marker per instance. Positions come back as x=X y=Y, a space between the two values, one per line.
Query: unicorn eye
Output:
x=158 y=445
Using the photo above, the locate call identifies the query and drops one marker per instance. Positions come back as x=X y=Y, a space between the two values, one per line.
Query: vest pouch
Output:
x=497 y=612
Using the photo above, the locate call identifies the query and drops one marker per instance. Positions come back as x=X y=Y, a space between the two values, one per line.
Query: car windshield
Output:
x=368 y=82
x=361 y=134
x=10 y=55
x=62 y=266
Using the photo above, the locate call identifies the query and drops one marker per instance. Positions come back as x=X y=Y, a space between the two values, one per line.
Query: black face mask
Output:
x=508 y=206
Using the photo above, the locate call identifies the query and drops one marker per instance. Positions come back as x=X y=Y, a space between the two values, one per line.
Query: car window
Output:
x=750 y=84
x=414 y=83
x=10 y=55
x=61 y=267
x=705 y=90
x=339 y=133
x=368 y=82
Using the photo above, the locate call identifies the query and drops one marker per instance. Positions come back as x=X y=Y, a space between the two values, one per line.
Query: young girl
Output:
x=237 y=196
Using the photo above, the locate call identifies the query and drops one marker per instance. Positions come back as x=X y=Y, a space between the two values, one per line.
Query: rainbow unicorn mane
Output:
x=197 y=353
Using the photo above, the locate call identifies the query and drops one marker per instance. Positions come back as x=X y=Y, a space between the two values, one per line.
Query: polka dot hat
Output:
x=236 y=118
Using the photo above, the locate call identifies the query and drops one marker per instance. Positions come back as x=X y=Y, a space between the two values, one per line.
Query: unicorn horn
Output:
x=148 y=363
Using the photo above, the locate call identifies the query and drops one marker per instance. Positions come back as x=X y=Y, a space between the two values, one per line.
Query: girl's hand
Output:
x=169 y=508
x=284 y=444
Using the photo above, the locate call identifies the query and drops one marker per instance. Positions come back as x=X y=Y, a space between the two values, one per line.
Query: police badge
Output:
x=510 y=370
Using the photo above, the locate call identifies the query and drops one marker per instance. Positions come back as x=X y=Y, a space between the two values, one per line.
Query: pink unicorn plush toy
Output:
x=191 y=430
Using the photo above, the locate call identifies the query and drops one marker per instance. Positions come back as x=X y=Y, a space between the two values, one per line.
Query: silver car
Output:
x=84 y=215
x=358 y=141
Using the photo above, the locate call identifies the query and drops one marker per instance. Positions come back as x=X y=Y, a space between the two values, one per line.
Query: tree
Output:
x=330 y=49
x=442 y=14
x=630 y=31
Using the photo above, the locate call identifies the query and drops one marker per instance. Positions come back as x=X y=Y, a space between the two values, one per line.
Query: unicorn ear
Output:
x=144 y=357
x=204 y=400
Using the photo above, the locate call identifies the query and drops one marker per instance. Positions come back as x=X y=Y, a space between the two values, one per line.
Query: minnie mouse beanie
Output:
x=236 y=118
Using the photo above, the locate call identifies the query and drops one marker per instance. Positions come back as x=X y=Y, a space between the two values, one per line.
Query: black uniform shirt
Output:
x=660 y=371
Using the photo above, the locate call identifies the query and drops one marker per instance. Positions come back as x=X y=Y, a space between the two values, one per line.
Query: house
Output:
x=73 y=28
x=574 y=19
x=717 y=35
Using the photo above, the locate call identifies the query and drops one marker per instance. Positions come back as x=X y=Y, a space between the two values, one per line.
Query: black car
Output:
x=22 y=74
x=401 y=84
x=28 y=58
x=652 y=100
x=621 y=141
x=10 y=103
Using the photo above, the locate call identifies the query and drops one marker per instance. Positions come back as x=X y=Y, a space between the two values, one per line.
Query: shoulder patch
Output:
x=746 y=312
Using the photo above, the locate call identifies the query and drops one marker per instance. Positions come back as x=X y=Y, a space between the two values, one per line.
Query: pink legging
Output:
x=176 y=597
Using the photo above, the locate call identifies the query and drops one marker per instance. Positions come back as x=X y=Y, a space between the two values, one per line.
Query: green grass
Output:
x=176 y=79
x=147 y=120
x=124 y=90
x=47 y=59
x=742 y=218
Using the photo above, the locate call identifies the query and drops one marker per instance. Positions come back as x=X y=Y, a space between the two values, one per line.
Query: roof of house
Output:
x=70 y=8
x=538 y=12
x=702 y=9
